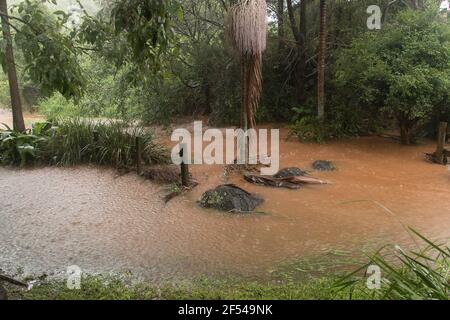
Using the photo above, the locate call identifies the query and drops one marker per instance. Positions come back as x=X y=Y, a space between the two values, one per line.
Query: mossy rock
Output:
x=229 y=198
x=289 y=172
x=324 y=165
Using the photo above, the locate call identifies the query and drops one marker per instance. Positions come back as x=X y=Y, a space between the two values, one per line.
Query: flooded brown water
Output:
x=51 y=218
x=30 y=118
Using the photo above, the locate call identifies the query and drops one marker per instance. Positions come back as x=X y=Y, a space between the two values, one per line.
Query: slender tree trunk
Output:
x=16 y=104
x=207 y=92
x=405 y=133
x=321 y=62
x=302 y=54
x=300 y=37
x=280 y=17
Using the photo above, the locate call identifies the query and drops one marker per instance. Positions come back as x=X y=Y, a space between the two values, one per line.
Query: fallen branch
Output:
x=292 y=182
x=13 y=281
x=305 y=180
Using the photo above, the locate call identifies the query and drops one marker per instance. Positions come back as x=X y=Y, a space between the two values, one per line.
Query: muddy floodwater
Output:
x=51 y=218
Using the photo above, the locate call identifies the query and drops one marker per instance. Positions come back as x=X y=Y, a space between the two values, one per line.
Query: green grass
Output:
x=97 y=288
x=420 y=274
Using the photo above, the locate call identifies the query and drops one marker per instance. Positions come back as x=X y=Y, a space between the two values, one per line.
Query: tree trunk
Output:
x=405 y=133
x=440 y=151
x=280 y=17
x=302 y=54
x=16 y=104
x=321 y=62
x=300 y=41
x=207 y=92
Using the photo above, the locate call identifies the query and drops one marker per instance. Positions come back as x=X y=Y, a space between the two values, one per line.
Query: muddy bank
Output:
x=52 y=218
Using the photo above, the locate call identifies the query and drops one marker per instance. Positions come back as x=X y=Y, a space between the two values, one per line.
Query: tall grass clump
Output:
x=113 y=143
x=415 y=275
x=79 y=141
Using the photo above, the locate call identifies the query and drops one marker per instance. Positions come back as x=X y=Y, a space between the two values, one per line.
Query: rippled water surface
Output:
x=51 y=218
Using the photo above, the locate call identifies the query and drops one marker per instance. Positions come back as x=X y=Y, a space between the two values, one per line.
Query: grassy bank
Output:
x=412 y=275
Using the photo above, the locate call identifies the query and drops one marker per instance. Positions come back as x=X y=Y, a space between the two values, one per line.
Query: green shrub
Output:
x=57 y=106
x=18 y=148
x=77 y=141
x=402 y=70
x=103 y=143
x=309 y=129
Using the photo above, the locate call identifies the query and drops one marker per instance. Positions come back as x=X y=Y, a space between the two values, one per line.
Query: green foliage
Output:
x=101 y=288
x=309 y=129
x=422 y=275
x=403 y=69
x=104 y=143
x=48 y=49
x=5 y=99
x=340 y=122
x=76 y=141
x=132 y=31
x=56 y=106
x=17 y=148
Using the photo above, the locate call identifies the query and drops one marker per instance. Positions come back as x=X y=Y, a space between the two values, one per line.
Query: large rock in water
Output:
x=323 y=165
x=229 y=197
x=289 y=172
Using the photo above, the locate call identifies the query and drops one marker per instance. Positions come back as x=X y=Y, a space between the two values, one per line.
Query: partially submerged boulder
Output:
x=323 y=165
x=289 y=172
x=230 y=198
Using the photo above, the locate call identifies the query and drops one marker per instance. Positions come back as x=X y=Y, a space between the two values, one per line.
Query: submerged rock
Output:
x=289 y=172
x=229 y=197
x=323 y=165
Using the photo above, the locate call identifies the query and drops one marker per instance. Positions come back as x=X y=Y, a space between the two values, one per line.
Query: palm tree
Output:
x=247 y=28
x=321 y=61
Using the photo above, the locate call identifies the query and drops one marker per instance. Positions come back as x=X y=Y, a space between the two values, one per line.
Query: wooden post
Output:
x=138 y=155
x=184 y=167
x=440 y=152
x=95 y=134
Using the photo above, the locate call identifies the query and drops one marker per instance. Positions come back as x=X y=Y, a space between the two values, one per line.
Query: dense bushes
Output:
x=78 y=141
x=402 y=71
x=398 y=75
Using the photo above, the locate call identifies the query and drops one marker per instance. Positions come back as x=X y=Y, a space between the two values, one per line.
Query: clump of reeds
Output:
x=413 y=275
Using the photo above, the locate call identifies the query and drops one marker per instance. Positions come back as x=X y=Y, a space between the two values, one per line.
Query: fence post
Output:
x=95 y=134
x=138 y=155
x=184 y=166
x=440 y=152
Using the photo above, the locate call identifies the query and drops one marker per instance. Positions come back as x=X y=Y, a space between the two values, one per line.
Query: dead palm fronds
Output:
x=247 y=28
